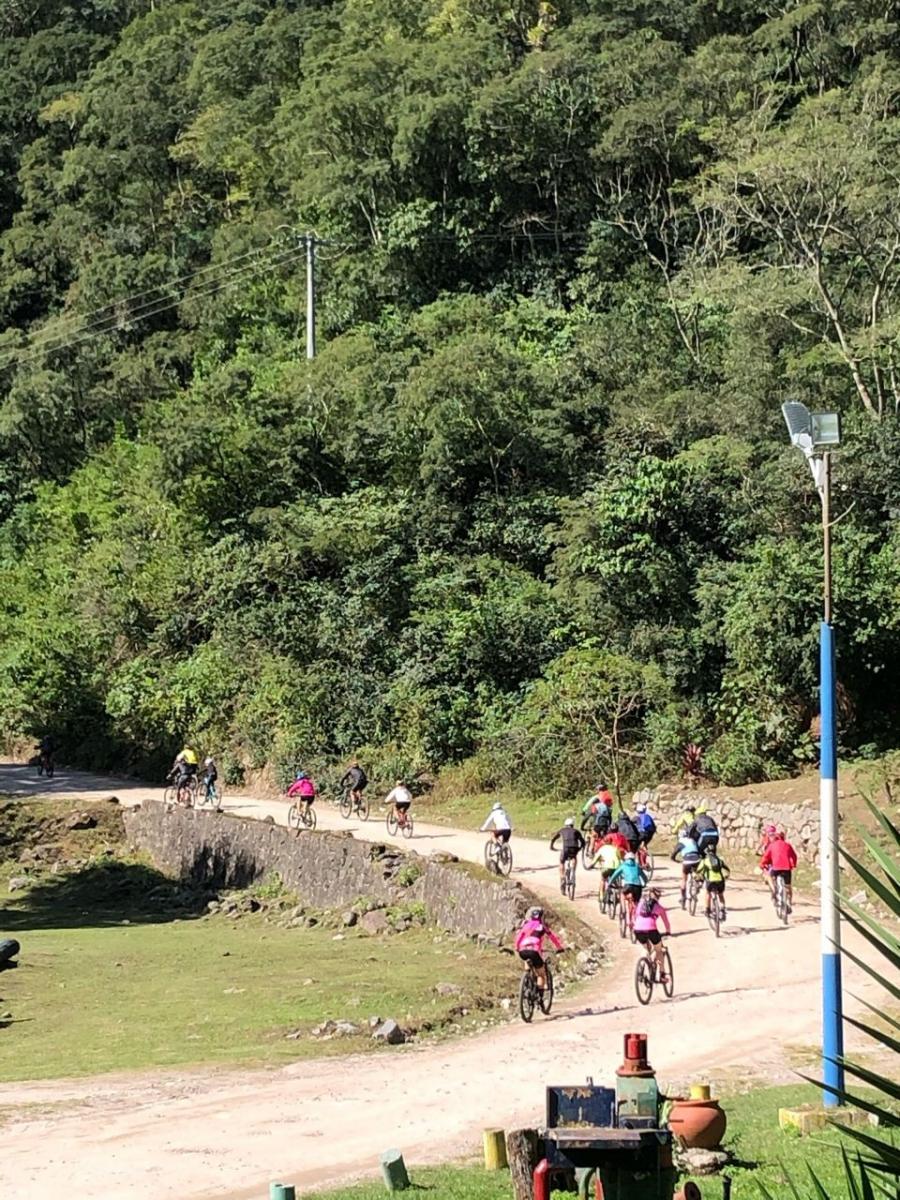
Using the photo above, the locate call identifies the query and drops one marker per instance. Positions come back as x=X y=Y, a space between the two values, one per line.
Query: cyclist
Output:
x=766 y=838
x=683 y=822
x=781 y=858
x=690 y=856
x=597 y=812
x=355 y=781
x=704 y=830
x=648 y=912
x=628 y=830
x=646 y=826
x=303 y=789
x=401 y=798
x=713 y=871
x=46 y=748
x=498 y=823
x=632 y=881
x=608 y=858
x=184 y=767
x=572 y=844
x=208 y=779
x=614 y=838
x=530 y=943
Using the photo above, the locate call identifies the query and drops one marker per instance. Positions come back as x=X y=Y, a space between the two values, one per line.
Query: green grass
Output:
x=120 y=967
x=762 y=1153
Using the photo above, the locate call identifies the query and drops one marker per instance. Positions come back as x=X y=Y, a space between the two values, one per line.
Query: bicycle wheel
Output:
x=692 y=896
x=185 y=796
x=648 y=865
x=293 y=817
x=643 y=979
x=391 y=822
x=504 y=858
x=782 y=908
x=408 y=826
x=363 y=809
x=545 y=998
x=308 y=816
x=587 y=857
x=623 y=917
x=527 y=997
x=346 y=806
x=570 y=878
x=169 y=794
x=612 y=902
x=669 y=986
x=715 y=914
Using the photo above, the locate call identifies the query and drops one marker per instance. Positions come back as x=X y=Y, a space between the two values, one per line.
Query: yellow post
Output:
x=494 y=1149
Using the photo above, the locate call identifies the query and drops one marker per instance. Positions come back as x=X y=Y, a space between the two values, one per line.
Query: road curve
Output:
x=212 y=1134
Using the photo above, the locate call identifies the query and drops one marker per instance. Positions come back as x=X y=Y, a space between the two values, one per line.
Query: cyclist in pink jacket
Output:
x=646 y=914
x=302 y=787
x=530 y=943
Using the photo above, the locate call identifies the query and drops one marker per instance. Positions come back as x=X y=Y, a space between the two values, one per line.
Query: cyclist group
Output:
x=185 y=772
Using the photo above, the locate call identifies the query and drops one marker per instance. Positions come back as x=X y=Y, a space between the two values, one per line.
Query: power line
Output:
x=150 y=309
x=59 y=340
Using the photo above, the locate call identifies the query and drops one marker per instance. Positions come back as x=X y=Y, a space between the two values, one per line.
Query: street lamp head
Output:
x=811 y=432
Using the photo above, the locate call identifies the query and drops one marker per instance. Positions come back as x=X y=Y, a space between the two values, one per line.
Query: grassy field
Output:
x=121 y=968
x=762 y=1153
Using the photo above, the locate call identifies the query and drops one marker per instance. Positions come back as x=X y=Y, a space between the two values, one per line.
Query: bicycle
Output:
x=530 y=995
x=399 y=820
x=612 y=899
x=715 y=912
x=589 y=851
x=498 y=856
x=646 y=975
x=779 y=899
x=208 y=793
x=45 y=764
x=568 y=884
x=359 y=805
x=302 y=816
x=626 y=917
x=693 y=893
x=645 y=861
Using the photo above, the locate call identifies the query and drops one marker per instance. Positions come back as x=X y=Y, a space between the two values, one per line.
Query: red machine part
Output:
x=540 y=1177
x=635 y=1062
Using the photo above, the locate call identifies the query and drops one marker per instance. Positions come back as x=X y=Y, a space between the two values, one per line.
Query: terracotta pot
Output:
x=698 y=1124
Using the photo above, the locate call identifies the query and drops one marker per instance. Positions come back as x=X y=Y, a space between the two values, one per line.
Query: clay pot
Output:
x=698 y=1124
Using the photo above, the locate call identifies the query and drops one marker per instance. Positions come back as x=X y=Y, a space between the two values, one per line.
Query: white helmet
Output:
x=207 y=762
x=568 y=821
x=640 y=808
x=496 y=805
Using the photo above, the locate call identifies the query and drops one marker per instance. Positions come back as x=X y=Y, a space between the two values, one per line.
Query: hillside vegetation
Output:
x=530 y=513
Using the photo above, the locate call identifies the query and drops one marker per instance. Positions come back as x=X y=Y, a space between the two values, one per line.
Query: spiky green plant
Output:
x=874 y=1169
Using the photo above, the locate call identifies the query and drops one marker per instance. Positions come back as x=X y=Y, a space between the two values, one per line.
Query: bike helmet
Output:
x=535 y=913
x=496 y=805
x=655 y=893
x=302 y=775
x=207 y=762
x=569 y=821
x=700 y=809
x=630 y=856
x=770 y=829
x=641 y=808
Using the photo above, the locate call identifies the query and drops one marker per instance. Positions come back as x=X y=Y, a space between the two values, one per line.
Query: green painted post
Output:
x=393 y=1168
x=282 y=1191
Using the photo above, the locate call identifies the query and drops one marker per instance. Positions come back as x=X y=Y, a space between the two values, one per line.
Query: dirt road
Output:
x=201 y=1134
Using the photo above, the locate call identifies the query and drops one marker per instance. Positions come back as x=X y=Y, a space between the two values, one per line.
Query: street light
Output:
x=816 y=434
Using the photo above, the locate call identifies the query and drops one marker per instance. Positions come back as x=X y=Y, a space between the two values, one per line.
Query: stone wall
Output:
x=326 y=870
x=740 y=822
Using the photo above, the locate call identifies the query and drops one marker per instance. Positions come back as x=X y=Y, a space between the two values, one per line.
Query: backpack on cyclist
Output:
x=715 y=863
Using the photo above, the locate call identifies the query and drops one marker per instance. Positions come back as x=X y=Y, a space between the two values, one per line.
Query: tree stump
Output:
x=523 y=1149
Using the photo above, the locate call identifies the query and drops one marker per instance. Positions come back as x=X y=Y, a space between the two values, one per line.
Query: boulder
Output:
x=349 y=918
x=18 y=882
x=390 y=1032
x=701 y=1162
x=375 y=921
x=81 y=820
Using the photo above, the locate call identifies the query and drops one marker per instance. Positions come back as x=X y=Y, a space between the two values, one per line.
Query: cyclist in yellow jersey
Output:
x=185 y=765
x=713 y=871
x=607 y=858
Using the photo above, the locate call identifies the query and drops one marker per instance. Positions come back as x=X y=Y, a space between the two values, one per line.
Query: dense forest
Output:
x=530 y=513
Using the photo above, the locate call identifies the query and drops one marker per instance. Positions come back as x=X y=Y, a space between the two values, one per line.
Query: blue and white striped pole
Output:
x=832 y=1015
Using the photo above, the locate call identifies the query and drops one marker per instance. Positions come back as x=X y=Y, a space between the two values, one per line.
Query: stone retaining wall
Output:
x=326 y=870
x=741 y=821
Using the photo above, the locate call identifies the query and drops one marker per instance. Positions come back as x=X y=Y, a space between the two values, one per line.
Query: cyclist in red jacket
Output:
x=781 y=858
